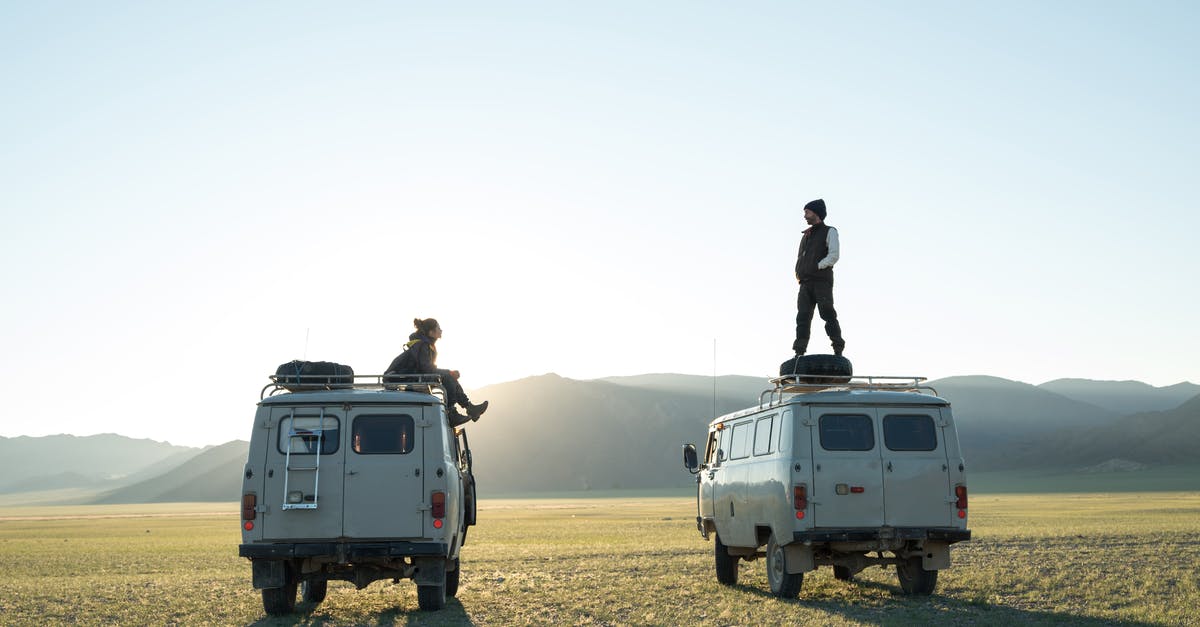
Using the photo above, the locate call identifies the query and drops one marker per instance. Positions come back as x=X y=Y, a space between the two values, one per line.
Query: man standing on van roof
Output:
x=819 y=250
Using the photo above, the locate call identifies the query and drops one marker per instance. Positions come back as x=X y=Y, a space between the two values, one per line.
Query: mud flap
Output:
x=935 y=555
x=431 y=571
x=798 y=558
x=268 y=573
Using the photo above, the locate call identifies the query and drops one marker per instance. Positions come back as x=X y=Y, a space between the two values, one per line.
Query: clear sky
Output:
x=194 y=193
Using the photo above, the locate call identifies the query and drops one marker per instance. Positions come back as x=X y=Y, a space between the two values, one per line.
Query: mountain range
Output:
x=550 y=433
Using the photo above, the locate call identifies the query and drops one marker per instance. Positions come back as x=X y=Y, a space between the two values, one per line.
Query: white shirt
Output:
x=831 y=240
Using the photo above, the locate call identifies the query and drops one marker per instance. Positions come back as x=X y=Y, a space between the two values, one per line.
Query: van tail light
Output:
x=438 y=499
x=249 y=505
x=960 y=493
x=800 y=498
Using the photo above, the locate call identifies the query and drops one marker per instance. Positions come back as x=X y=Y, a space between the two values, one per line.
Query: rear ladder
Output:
x=306 y=437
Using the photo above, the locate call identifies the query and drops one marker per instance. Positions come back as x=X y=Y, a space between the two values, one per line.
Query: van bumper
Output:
x=344 y=551
x=941 y=534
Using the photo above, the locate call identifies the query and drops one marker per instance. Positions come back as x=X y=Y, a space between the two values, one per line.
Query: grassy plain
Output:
x=1082 y=559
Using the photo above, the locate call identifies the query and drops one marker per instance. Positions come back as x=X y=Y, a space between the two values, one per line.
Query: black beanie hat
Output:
x=817 y=206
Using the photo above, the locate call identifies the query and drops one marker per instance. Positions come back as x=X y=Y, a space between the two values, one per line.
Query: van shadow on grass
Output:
x=938 y=609
x=453 y=614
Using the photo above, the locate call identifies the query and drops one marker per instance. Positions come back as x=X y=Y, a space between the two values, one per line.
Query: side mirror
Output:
x=689 y=458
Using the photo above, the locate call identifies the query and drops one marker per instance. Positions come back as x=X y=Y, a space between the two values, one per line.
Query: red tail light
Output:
x=800 y=496
x=438 y=500
x=960 y=492
x=249 y=505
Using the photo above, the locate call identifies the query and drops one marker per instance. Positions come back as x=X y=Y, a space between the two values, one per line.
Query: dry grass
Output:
x=1046 y=559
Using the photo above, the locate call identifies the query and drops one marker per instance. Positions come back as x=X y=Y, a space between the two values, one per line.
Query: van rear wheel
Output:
x=452 y=578
x=280 y=601
x=313 y=591
x=783 y=584
x=727 y=565
x=914 y=579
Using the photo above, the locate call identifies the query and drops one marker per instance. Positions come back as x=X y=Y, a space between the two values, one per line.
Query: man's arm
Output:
x=831 y=240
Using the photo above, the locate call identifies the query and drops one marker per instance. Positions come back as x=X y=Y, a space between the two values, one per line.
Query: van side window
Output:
x=710 y=451
x=741 y=440
x=304 y=433
x=377 y=435
x=847 y=432
x=762 y=435
x=909 y=433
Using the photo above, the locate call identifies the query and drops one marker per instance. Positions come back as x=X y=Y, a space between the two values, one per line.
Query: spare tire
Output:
x=818 y=369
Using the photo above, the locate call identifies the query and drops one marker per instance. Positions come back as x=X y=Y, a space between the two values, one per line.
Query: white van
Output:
x=819 y=475
x=360 y=481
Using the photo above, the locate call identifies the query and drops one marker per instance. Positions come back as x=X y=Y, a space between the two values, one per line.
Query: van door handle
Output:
x=352 y=472
x=889 y=466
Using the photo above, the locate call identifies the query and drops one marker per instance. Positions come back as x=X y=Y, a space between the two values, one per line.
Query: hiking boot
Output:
x=475 y=411
x=799 y=347
x=456 y=418
x=838 y=348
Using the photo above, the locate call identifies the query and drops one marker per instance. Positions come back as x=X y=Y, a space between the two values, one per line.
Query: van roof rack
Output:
x=810 y=383
x=424 y=383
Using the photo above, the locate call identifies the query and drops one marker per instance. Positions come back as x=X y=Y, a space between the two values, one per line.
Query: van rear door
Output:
x=916 y=469
x=302 y=490
x=384 y=459
x=847 y=473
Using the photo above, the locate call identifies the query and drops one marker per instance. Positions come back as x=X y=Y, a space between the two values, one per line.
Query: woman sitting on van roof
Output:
x=420 y=357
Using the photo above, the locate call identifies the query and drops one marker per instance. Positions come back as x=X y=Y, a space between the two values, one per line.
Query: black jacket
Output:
x=419 y=357
x=814 y=246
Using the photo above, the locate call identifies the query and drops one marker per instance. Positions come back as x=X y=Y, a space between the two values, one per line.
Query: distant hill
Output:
x=549 y=433
x=995 y=415
x=1145 y=439
x=67 y=461
x=214 y=475
x=552 y=433
x=1124 y=397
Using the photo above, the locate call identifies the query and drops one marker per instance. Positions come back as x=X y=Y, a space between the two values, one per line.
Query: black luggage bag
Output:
x=298 y=375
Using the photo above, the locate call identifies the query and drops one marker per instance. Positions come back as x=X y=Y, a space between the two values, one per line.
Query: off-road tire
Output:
x=280 y=601
x=727 y=565
x=842 y=573
x=431 y=598
x=452 y=577
x=313 y=591
x=783 y=584
x=818 y=369
x=914 y=579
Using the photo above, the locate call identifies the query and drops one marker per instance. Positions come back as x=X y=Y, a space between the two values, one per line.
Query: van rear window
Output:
x=909 y=433
x=301 y=435
x=382 y=435
x=847 y=432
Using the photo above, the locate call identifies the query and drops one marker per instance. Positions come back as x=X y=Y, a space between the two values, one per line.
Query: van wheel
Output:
x=914 y=579
x=727 y=565
x=313 y=591
x=431 y=598
x=452 y=578
x=829 y=369
x=783 y=584
x=842 y=573
x=280 y=601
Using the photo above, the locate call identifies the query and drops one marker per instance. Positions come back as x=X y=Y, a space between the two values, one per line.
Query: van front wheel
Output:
x=314 y=591
x=727 y=565
x=914 y=579
x=783 y=584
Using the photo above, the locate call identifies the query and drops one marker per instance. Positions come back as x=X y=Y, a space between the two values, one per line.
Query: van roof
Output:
x=848 y=397
x=355 y=396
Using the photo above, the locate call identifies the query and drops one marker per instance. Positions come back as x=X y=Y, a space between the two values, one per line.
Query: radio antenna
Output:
x=305 y=357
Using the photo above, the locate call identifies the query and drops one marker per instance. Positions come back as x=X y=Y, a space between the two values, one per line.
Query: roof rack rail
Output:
x=809 y=383
x=426 y=383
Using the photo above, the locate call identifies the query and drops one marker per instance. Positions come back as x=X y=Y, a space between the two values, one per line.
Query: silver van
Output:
x=837 y=475
x=359 y=481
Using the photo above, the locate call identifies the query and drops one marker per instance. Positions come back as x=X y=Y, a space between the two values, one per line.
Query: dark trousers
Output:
x=454 y=392
x=817 y=294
